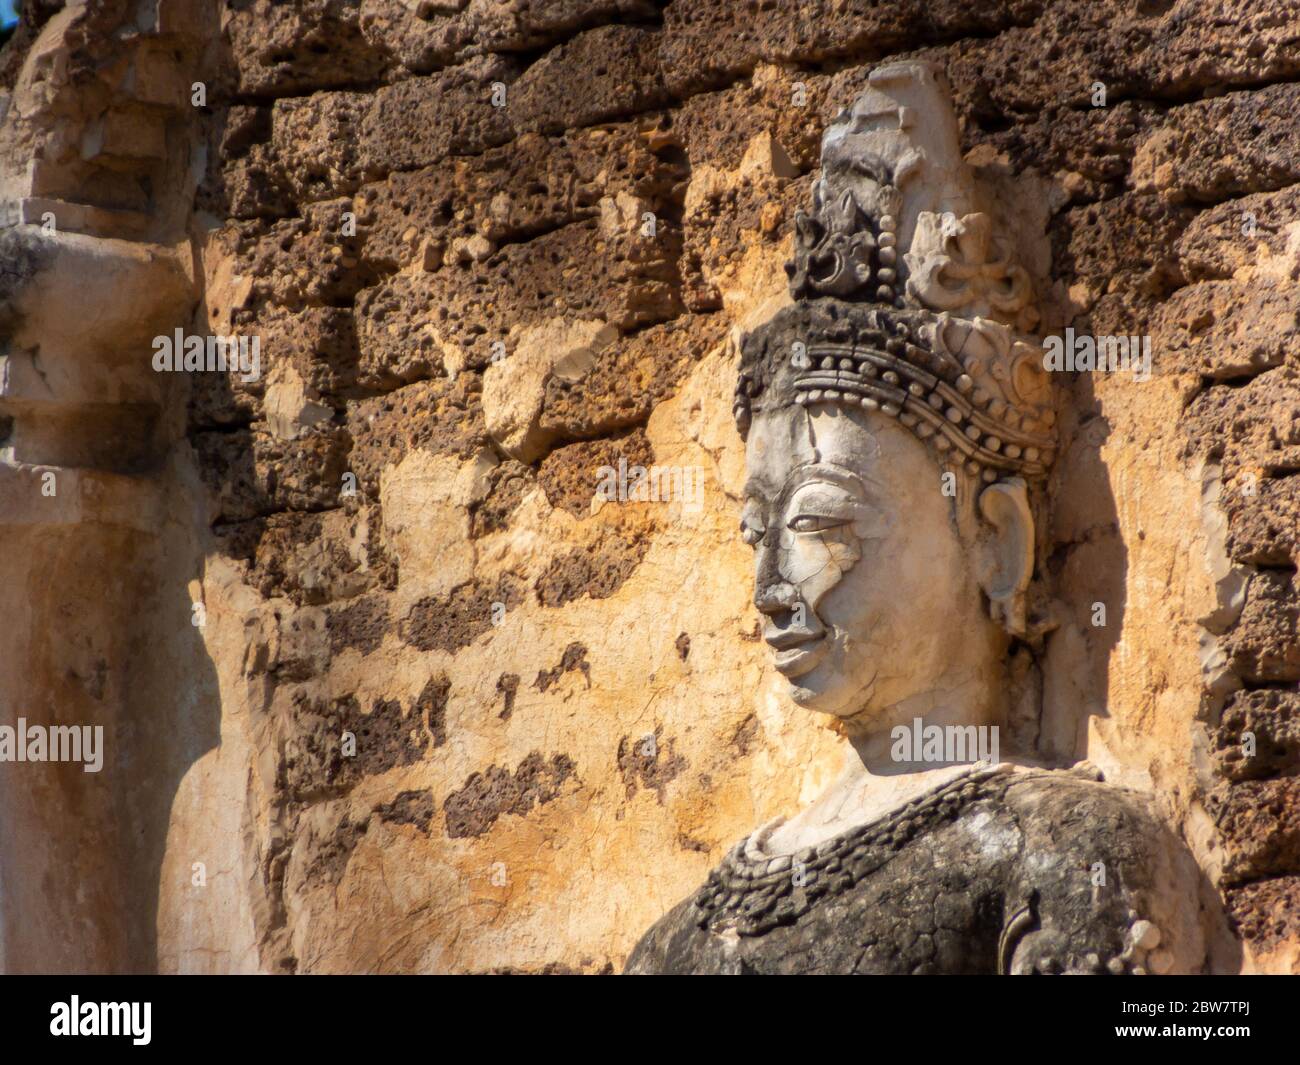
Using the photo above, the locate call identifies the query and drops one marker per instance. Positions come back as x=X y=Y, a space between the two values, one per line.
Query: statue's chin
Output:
x=830 y=693
x=817 y=680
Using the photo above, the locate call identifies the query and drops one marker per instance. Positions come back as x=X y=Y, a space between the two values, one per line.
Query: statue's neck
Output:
x=918 y=734
x=896 y=756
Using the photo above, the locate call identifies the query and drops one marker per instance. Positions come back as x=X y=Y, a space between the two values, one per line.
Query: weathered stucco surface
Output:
x=562 y=712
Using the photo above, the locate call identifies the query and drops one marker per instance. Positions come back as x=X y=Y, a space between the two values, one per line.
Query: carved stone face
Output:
x=861 y=574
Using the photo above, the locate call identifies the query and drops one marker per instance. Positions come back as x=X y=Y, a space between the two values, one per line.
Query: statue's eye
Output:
x=750 y=534
x=807 y=523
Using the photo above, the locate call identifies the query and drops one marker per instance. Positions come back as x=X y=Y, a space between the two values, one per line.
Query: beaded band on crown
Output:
x=900 y=367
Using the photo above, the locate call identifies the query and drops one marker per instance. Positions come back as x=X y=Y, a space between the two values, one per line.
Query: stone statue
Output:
x=899 y=429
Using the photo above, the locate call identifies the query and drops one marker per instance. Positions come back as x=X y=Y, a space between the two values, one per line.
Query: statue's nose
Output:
x=775 y=597
x=772 y=592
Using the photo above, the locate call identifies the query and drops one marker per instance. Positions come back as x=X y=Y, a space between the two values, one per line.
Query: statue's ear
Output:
x=1007 y=555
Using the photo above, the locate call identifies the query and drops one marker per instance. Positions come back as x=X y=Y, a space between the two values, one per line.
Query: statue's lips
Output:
x=795 y=661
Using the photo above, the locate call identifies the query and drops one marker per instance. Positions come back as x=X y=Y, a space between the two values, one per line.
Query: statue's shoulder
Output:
x=1101 y=883
x=1067 y=816
x=1079 y=801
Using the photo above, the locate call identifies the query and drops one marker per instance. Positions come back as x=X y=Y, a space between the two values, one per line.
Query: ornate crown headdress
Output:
x=935 y=335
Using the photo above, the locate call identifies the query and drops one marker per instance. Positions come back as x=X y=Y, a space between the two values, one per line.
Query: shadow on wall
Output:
x=174 y=719
x=1088 y=572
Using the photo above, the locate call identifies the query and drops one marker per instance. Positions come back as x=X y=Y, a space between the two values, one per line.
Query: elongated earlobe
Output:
x=1008 y=561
